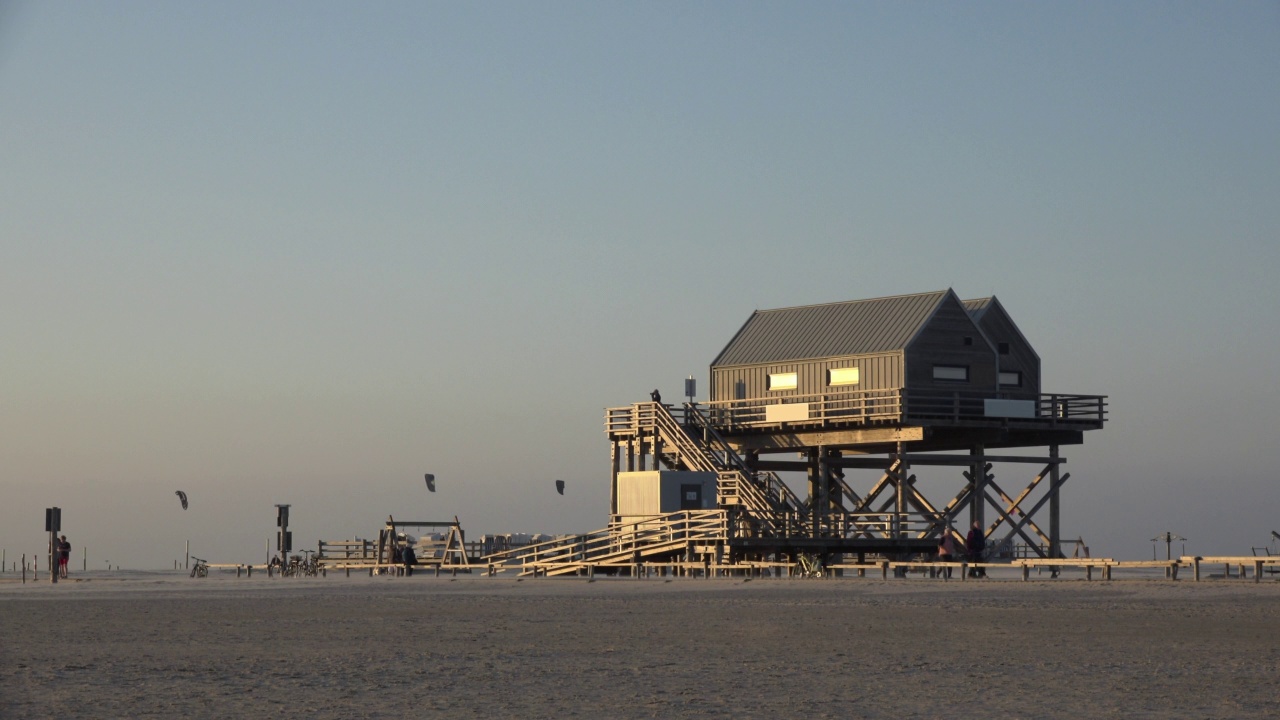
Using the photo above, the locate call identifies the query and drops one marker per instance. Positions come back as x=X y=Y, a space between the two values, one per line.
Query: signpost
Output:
x=52 y=524
x=284 y=538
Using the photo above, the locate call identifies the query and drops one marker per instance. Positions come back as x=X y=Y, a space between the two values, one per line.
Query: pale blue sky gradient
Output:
x=306 y=252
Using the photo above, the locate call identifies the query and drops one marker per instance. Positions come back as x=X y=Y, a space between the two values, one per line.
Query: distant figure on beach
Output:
x=976 y=544
x=656 y=396
x=64 y=556
x=410 y=559
x=947 y=550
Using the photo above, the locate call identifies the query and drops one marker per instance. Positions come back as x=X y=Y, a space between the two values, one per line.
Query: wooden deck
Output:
x=879 y=408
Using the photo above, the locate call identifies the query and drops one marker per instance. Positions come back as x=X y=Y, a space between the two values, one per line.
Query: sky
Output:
x=307 y=252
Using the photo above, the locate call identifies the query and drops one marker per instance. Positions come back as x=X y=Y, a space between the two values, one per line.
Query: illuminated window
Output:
x=1011 y=379
x=951 y=373
x=842 y=376
x=782 y=381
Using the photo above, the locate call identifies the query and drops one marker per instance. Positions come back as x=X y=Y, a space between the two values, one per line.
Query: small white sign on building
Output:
x=1009 y=408
x=787 y=412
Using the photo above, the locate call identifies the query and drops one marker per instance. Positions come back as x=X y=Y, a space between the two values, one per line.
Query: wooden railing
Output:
x=621 y=543
x=837 y=524
x=899 y=405
x=773 y=494
x=701 y=448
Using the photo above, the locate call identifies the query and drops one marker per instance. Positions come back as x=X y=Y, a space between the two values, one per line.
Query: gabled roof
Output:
x=857 y=327
x=978 y=307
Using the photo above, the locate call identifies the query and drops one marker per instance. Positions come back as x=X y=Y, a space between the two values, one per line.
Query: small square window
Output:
x=782 y=381
x=968 y=340
x=951 y=373
x=1004 y=348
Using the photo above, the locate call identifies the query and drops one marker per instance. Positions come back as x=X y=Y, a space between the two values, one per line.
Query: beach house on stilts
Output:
x=882 y=385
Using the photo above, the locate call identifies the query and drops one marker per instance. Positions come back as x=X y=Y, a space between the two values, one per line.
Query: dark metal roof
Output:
x=857 y=327
x=978 y=307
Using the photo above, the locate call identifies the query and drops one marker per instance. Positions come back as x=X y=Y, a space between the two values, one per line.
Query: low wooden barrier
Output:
x=1243 y=563
x=1267 y=563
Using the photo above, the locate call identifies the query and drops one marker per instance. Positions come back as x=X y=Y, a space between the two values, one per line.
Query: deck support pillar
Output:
x=900 y=496
x=1055 y=505
x=978 y=485
x=616 y=460
x=815 y=491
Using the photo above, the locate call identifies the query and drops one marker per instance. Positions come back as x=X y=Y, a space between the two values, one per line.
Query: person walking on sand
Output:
x=947 y=551
x=64 y=556
x=976 y=545
x=410 y=559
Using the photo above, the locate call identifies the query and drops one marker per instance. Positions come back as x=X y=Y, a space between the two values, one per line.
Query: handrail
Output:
x=898 y=404
x=630 y=536
x=769 y=482
x=690 y=451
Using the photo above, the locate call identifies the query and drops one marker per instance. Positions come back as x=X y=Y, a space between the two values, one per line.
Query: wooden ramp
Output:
x=622 y=546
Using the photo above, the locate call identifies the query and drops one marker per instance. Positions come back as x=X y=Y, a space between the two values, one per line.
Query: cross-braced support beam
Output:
x=895 y=494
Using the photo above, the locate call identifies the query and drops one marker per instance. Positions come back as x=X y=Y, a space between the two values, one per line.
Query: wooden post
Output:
x=616 y=460
x=824 y=484
x=53 y=558
x=1196 y=564
x=643 y=450
x=1026 y=572
x=814 y=477
x=1055 y=505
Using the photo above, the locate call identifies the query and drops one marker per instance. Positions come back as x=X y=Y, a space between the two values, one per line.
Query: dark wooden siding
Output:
x=941 y=342
x=875 y=372
x=1022 y=358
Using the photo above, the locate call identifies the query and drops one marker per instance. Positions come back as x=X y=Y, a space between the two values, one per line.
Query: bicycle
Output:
x=811 y=566
x=200 y=569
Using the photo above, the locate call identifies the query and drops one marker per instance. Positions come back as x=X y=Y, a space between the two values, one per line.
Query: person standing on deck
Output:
x=976 y=545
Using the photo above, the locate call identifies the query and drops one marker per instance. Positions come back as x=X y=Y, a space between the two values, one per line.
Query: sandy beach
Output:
x=158 y=645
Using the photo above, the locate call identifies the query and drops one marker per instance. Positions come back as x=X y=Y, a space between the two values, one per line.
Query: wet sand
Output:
x=164 y=646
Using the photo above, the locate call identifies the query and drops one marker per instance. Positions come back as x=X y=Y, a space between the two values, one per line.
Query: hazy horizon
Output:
x=306 y=253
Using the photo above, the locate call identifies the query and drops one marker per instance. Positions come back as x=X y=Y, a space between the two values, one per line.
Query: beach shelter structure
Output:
x=883 y=384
